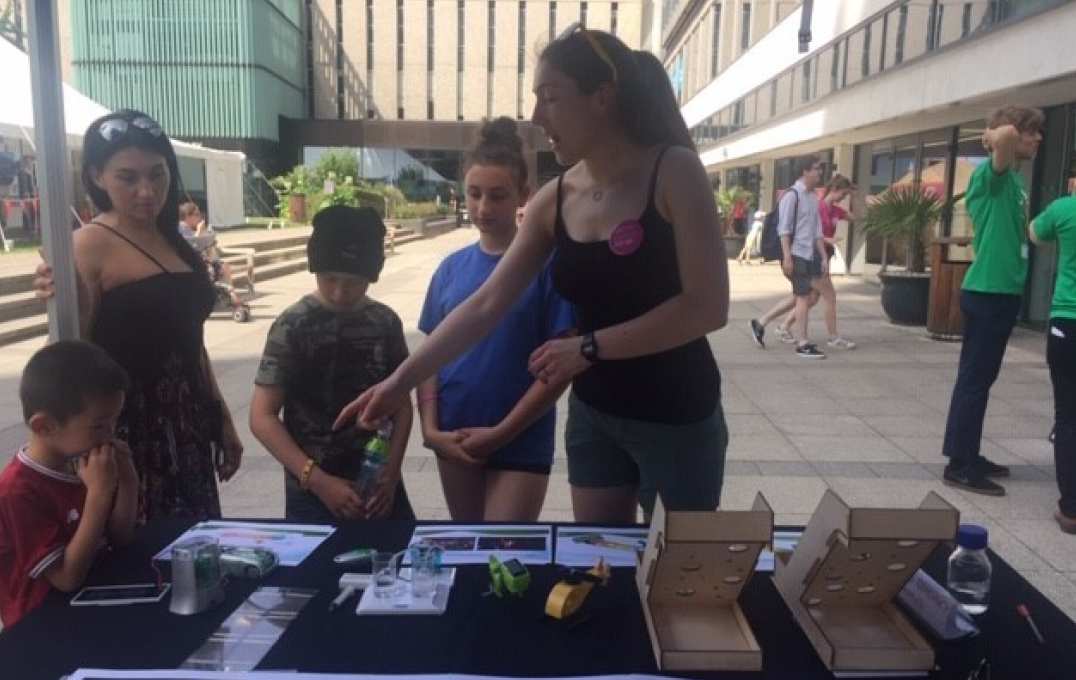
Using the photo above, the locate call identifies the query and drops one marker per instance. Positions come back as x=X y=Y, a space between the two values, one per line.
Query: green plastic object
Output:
x=509 y=577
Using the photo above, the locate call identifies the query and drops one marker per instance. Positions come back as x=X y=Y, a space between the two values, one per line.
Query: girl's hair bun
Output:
x=501 y=131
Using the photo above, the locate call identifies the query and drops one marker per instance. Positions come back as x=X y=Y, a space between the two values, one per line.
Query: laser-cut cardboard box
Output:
x=846 y=572
x=690 y=578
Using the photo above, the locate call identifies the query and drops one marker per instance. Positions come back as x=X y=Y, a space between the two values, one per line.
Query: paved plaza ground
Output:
x=866 y=423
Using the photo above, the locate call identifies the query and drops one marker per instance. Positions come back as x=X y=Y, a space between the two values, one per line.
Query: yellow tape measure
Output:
x=567 y=596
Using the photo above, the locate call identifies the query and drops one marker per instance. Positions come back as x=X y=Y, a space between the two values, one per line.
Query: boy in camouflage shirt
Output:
x=322 y=351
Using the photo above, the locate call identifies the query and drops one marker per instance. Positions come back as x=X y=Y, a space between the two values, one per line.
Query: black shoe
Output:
x=758 y=332
x=809 y=351
x=1067 y=524
x=971 y=480
x=990 y=469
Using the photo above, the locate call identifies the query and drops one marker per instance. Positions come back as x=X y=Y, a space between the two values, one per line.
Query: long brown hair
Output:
x=645 y=104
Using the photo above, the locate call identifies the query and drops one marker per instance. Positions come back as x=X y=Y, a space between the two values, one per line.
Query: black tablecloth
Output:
x=479 y=635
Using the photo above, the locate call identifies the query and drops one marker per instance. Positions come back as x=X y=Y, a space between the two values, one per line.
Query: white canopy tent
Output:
x=223 y=169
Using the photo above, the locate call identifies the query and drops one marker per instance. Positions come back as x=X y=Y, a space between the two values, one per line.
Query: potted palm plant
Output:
x=903 y=214
x=727 y=199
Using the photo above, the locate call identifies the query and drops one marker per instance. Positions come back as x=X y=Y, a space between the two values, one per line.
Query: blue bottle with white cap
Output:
x=969 y=569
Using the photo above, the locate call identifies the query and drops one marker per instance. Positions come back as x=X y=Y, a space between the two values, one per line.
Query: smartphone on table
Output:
x=137 y=593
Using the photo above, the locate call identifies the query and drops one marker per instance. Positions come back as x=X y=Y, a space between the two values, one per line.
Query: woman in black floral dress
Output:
x=144 y=296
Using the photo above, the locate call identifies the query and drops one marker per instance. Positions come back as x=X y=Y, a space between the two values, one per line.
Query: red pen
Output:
x=1022 y=610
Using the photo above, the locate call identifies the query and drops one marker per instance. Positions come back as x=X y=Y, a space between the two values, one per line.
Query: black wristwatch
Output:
x=589 y=348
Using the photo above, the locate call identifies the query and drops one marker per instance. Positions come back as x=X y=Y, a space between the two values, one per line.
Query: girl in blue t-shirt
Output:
x=489 y=422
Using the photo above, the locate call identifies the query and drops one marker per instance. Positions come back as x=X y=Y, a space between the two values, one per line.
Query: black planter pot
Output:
x=905 y=297
x=733 y=245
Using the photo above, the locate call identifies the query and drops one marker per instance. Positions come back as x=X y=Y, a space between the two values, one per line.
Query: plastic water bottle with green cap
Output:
x=375 y=455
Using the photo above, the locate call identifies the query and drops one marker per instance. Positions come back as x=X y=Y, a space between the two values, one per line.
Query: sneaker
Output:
x=840 y=343
x=809 y=351
x=1067 y=524
x=758 y=332
x=990 y=469
x=971 y=480
x=785 y=336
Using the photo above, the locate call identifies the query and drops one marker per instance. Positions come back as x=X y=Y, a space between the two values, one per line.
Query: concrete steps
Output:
x=19 y=283
x=20 y=305
x=25 y=328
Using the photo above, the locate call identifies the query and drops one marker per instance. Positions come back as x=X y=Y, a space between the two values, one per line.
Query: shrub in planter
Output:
x=903 y=214
x=726 y=200
x=292 y=190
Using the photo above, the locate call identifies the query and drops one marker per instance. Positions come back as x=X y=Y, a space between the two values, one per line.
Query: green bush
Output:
x=299 y=181
x=381 y=197
x=369 y=198
x=343 y=193
x=422 y=209
x=338 y=163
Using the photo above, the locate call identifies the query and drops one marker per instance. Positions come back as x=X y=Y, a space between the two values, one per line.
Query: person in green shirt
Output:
x=1058 y=224
x=990 y=296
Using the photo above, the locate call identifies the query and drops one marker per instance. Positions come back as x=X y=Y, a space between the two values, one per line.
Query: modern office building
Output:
x=219 y=73
x=700 y=38
x=412 y=79
x=406 y=81
x=891 y=92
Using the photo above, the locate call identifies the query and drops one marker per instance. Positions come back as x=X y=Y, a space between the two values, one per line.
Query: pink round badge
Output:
x=626 y=237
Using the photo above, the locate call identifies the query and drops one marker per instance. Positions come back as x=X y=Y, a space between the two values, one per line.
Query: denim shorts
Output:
x=684 y=463
x=805 y=271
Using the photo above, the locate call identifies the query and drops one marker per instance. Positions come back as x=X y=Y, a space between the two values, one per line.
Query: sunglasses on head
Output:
x=595 y=45
x=115 y=128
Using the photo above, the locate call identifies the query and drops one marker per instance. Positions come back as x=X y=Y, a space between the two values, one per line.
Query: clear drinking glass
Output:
x=384 y=571
x=422 y=580
x=425 y=563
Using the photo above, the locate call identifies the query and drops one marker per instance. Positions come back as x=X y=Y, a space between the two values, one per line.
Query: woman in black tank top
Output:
x=633 y=232
x=145 y=298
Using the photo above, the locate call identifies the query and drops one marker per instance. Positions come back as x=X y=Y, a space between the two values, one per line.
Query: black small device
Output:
x=589 y=348
x=515 y=568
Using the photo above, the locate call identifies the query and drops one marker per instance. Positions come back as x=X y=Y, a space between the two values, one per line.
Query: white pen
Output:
x=342 y=597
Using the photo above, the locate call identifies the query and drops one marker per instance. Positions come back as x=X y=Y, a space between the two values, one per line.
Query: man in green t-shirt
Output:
x=1058 y=223
x=990 y=299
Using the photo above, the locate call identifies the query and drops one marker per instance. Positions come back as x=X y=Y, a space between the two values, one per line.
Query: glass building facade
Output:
x=206 y=69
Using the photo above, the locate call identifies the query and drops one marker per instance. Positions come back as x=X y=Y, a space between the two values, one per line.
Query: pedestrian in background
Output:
x=1058 y=224
x=991 y=293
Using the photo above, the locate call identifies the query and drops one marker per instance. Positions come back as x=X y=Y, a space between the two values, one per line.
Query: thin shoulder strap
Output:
x=133 y=245
x=558 y=224
x=795 y=211
x=654 y=176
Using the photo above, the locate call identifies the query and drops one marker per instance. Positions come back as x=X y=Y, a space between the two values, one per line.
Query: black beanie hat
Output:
x=347 y=240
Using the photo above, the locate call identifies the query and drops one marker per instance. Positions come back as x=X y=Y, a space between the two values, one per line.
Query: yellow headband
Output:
x=595 y=45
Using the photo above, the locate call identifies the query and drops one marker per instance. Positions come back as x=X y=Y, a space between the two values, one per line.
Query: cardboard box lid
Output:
x=862 y=557
x=755 y=524
x=702 y=557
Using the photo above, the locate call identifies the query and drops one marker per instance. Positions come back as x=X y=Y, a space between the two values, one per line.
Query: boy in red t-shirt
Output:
x=72 y=484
